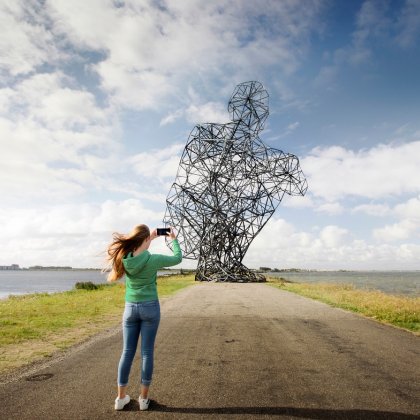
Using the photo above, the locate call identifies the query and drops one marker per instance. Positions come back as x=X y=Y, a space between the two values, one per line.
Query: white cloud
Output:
x=76 y=220
x=281 y=245
x=293 y=126
x=56 y=141
x=373 y=209
x=122 y=216
x=333 y=236
x=150 y=50
x=298 y=201
x=376 y=23
x=171 y=117
x=396 y=232
x=408 y=24
x=136 y=89
x=60 y=143
x=330 y=208
x=326 y=77
x=280 y=233
x=409 y=209
x=48 y=99
x=89 y=25
x=407 y=227
x=372 y=22
x=158 y=164
x=25 y=42
x=210 y=112
x=290 y=128
x=77 y=235
x=382 y=171
x=73 y=235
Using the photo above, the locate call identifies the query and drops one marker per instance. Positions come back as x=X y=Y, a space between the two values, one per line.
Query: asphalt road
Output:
x=243 y=351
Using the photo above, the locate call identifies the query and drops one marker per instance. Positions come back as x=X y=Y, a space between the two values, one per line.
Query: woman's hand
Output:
x=153 y=234
x=172 y=233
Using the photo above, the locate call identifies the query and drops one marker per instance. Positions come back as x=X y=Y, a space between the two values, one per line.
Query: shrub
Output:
x=87 y=285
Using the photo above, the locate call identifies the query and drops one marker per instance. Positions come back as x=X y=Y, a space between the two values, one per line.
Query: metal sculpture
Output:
x=228 y=186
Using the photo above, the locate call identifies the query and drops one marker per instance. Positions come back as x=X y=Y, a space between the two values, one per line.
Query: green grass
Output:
x=47 y=322
x=170 y=284
x=400 y=311
x=34 y=316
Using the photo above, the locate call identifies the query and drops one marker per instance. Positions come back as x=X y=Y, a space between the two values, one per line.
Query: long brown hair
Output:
x=121 y=246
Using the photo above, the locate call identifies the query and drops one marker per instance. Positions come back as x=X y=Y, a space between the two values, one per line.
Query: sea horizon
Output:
x=25 y=281
x=260 y=270
x=21 y=282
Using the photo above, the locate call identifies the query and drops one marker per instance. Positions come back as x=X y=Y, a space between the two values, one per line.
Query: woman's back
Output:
x=141 y=272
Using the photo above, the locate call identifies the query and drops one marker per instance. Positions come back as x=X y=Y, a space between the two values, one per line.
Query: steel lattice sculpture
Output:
x=228 y=186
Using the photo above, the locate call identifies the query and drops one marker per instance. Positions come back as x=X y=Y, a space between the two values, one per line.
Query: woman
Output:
x=129 y=255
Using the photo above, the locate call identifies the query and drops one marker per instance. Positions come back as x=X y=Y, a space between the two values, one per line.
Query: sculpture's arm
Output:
x=286 y=171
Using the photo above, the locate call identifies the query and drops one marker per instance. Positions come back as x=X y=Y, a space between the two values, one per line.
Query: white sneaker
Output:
x=120 y=403
x=144 y=403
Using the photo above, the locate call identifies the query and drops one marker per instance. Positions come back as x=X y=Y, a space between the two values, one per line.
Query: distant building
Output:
x=10 y=267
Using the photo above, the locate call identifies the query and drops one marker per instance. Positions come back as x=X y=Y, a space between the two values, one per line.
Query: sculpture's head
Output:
x=248 y=106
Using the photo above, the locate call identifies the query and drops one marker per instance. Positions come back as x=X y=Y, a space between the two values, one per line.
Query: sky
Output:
x=98 y=97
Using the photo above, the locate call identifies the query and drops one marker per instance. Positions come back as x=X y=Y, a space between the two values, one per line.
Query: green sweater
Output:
x=141 y=272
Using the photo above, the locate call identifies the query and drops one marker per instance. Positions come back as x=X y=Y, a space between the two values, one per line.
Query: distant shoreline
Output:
x=255 y=270
x=24 y=282
x=85 y=269
x=52 y=280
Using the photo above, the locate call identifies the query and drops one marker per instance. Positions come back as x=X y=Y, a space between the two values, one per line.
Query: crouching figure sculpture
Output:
x=228 y=186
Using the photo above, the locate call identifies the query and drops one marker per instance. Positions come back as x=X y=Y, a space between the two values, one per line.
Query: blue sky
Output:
x=98 y=98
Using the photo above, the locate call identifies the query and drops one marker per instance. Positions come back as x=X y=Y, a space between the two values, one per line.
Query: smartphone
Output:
x=163 y=231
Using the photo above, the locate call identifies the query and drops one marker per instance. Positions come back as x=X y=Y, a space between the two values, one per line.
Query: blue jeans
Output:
x=140 y=318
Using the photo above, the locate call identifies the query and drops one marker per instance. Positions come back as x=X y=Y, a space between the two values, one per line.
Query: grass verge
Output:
x=400 y=311
x=37 y=325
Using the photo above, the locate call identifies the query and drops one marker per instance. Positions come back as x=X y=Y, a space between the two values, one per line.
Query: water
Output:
x=27 y=281
x=393 y=282
x=21 y=282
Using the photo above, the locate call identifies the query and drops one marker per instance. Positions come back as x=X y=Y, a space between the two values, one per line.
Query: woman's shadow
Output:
x=306 y=413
